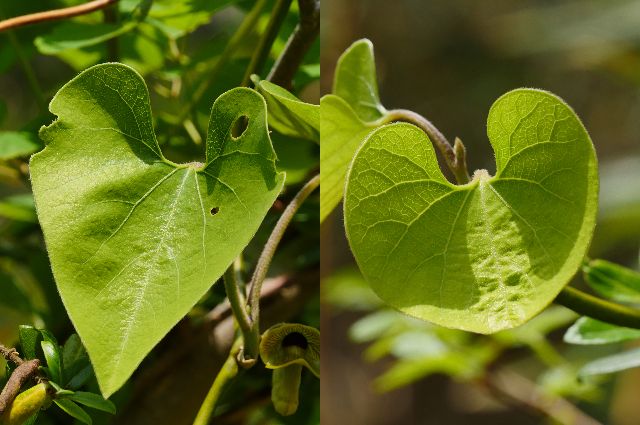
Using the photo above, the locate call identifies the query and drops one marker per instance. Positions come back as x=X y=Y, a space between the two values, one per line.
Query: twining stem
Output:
x=269 y=250
x=228 y=371
x=297 y=45
x=260 y=55
x=454 y=156
x=246 y=27
x=599 y=309
x=51 y=15
x=238 y=302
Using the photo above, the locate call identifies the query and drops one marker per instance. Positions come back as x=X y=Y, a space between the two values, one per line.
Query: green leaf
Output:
x=288 y=114
x=94 y=401
x=134 y=239
x=590 y=331
x=347 y=117
x=19 y=208
x=356 y=82
x=14 y=144
x=73 y=410
x=52 y=356
x=613 y=281
x=342 y=132
x=484 y=256
x=30 y=337
x=75 y=35
x=614 y=363
x=74 y=357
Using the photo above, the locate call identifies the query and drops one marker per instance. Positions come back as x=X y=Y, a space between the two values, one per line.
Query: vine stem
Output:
x=268 y=252
x=454 y=156
x=228 y=371
x=56 y=14
x=278 y=14
x=297 y=45
x=599 y=309
x=238 y=304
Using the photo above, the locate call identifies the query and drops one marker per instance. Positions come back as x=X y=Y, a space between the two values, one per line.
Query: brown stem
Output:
x=298 y=44
x=11 y=355
x=18 y=378
x=52 y=15
x=516 y=390
x=454 y=156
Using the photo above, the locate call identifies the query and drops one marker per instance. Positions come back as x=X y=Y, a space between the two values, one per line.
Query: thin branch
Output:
x=298 y=44
x=52 y=15
x=260 y=55
x=516 y=390
x=11 y=355
x=18 y=378
x=597 y=308
x=228 y=371
x=269 y=250
x=237 y=301
x=454 y=157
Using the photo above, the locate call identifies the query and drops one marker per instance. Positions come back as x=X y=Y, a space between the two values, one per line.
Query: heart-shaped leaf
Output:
x=487 y=255
x=135 y=239
x=347 y=117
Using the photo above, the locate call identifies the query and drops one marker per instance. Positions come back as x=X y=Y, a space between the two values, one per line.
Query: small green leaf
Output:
x=94 y=401
x=134 y=239
x=613 y=281
x=347 y=117
x=52 y=356
x=590 y=331
x=79 y=379
x=74 y=357
x=484 y=256
x=30 y=337
x=14 y=144
x=75 y=35
x=73 y=410
x=356 y=82
x=342 y=132
x=614 y=363
x=288 y=114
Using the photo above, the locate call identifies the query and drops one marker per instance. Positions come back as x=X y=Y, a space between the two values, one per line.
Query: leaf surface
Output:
x=134 y=239
x=587 y=331
x=484 y=256
x=613 y=281
x=288 y=114
x=346 y=117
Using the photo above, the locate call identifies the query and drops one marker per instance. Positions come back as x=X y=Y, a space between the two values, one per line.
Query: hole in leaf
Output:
x=295 y=339
x=215 y=210
x=239 y=126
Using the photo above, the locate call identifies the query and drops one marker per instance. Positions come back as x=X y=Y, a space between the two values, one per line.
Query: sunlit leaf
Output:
x=484 y=256
x=613 y=281
x=614 y=363
x=134 y=239
x=14 y=144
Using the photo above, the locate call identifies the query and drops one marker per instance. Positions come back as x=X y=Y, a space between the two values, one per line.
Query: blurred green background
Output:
x=449 y=60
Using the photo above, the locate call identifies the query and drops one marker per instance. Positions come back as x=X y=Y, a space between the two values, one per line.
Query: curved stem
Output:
x=51 y=15
x=599 y=309
x=297 y=45
x=278 y=14
x=454 y=156
x=236 y=298
x=269 y=250
x=228 y=371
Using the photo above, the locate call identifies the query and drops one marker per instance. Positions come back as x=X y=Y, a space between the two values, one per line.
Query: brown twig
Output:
x=18 y=378
x=11 y=355
x=298 y=44
x=515 y=390
x=52 y=15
